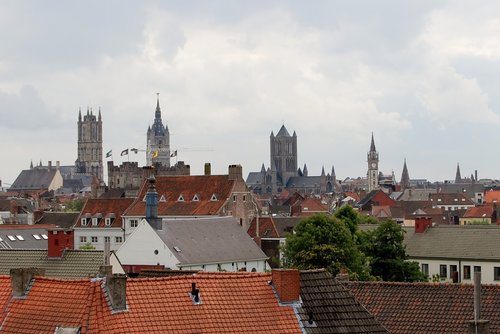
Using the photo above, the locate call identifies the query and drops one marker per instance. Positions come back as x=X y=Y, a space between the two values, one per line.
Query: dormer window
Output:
x=180 y=199
x=95 y=221
x=439 y=199
x=456 y=199
x=214 y=198
x=196 y=198
x=84 y=221
x=107 y=221
x=163 y=199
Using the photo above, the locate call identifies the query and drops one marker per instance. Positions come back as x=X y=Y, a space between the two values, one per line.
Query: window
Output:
x=162 y=199
x=244 y=198
x=107 y=239
x=44 y=236
x=93 y=239
x=83 y=239
x=94 y=221
x=11 y=238
x=466 y=272
x=20 y=237
x=496 y=273
x=443 y=270
x=36 y=236
x=425 y=269
x=213 y=198
x=118 y=239
x=196 y=198
x=108 y=221
x=477 y=269
x=453 y=268
x=133 y=223
x=84 y=221
x=234 y=198
x=181 y=198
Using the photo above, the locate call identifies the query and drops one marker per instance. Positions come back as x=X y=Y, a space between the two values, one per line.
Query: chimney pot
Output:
x=208 y=169
x=286 y=282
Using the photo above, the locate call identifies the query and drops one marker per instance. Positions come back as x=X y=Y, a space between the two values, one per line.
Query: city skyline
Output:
x=422 y=76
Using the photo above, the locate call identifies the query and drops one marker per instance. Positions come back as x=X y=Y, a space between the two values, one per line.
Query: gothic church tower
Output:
x=372 y=174
x=283 y=157
x=89 y=159
x=158 y=141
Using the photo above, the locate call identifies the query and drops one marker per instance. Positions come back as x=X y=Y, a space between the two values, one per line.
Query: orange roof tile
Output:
x=231 y=302
x=479 y=212
x=172 y=187
x=492 y=196
x=105 y=206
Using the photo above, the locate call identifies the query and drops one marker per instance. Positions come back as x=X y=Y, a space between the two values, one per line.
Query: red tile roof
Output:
x=105 y=207
x=492 y=196
x=172 y=187
x=267 y=229
x=231 y=303
x=485 y=211
x=426 y=307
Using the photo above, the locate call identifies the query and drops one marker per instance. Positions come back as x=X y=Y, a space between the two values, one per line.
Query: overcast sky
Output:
x=423 y=76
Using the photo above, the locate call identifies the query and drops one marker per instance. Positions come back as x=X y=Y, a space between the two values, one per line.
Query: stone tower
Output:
x=158 y=141
x=89 y=159
x=283 y=157
x=458 y=176
x=372 y=174
x=405 y=177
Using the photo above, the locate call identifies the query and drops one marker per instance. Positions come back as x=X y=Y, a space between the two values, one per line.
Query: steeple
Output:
x=323 y=171
x=80 y=114
x=304 y=171
x=458 y=176
x=263 y=169
x=31 y=164
x=405 y=177
x=334 y=177
x=372 y=145
x=158 y=110
x=99 y=117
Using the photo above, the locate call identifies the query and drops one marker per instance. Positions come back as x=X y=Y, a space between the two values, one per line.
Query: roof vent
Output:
x=195 y=294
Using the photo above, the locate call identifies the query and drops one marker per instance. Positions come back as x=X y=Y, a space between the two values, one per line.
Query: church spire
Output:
x=158 y=110
x=99 y=117
x=458 y=177
x=372 y=145
x=31 y=164
x=405 y=177
x=80 y=114
x=323 y=171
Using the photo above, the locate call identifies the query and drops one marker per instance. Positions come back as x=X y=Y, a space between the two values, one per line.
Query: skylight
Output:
x=1 y=239
x=177 y=249
x=20 y=237
x=11 y=238
x=36 y=236
x=44 y=236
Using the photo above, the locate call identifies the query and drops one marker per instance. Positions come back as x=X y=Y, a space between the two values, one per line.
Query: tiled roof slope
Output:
x=172 y=187
x=422 y=308
x=105 y=206
x=231 y=303
x=479 y=242
x=37 y=178
x=59 y=219
x=73 y=264
x=9 y=236
x=266 y=228
x=333 y=308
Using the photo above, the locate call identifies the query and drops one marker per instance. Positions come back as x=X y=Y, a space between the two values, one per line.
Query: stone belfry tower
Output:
x=89 y=159
x=283 y=156
x=372 y=174
x=158 y=141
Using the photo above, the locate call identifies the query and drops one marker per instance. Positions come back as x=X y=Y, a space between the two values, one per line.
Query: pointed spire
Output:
x=283 y=132
x=99 y=117
x=294 y=134
x=458 y=176
x=31 y=164
x=333 y=173
x=405 y=177
x=304 y=170
x=263 y=169
x=322 y=170
x=272 y=134
x=80 y=114
x=88 y=111
x=91 y=112
x=372 y=145
x=40 y=163
x=158 y=110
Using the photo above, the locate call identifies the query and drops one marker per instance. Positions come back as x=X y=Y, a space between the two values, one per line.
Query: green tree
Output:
x=87 y=246
x=74 y=205
x=349 y=217
x=389 y=259
x=322 y=241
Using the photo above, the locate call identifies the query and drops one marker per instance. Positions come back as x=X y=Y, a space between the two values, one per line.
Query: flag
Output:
x=124 y=152
x=109 y=154
x=135 y=150
x=154 y=154
x=174 y=154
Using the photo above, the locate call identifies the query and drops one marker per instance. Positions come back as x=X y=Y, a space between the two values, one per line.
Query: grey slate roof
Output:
x=209 y=240
x=416 y=194
x=29 y=242
x=285 y=225
x=332 y=307
x=304 y=181
x=73 y=264
x=283 y=132
x=473 y=242
x=36 y=178
x=255 y=178
x=59 y=219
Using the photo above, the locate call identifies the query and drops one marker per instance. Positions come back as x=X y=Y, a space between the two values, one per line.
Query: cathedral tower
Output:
x=158 y=141
x=372 y=174
x=405 y=177
x=283 y=156
x=89 y=159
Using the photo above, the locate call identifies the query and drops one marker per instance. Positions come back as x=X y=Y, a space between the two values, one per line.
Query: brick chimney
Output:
x=422 y=224
x=117 y=289
x=286 y=282
x=235 y=172
x=20 y=279
x=59 y=240
x=208 y=169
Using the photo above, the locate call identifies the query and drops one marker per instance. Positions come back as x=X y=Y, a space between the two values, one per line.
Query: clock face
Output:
x=374 y=165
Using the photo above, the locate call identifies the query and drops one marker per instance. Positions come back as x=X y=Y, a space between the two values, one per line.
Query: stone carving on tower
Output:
x=89 y=153
x=158 y=141
x=372 y=174
x=283 y=157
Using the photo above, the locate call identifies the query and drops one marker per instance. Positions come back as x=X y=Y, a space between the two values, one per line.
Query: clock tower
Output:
x=372 y=174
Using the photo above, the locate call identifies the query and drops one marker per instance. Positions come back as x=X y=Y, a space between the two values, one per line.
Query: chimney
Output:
x=475 y=175
x=107 y=252
x=208 y=169
x=422 y=224
x=20 y=279
x=50 y=164
x=117 y=289
x=58 y=165
x=286 y=283
x=478 y=326
x=235 y=172
x=152 y=204
x=59 y=240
